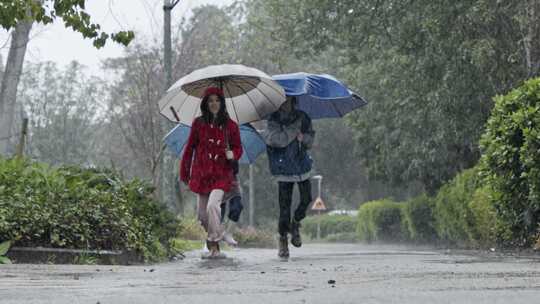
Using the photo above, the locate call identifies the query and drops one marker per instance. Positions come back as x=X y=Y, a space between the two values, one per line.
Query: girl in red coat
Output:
x=214 y=142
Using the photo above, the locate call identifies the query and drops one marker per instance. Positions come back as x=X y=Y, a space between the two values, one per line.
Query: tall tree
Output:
x=72 y=12
x=64 y=108
x=10 y=81
x=133 y=105
x=531 y=41
x=429 y=69
x=19 y=15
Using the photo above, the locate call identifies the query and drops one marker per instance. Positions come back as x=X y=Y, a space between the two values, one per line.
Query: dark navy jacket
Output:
x=286 y=155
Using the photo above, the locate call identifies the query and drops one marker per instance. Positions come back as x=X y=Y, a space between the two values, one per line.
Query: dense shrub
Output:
x=179 y=246
x=342 y=237
x=380 y=221
x=418 y=219
x=486 y=222
x=71 y=207
x=251 y=237
x=330 y=225
x=189 y=228
x=454 y=219
x=511 y=161
x=464 y=211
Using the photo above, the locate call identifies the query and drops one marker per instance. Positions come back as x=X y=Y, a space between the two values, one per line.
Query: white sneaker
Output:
x=205 y=248
x=228 y=238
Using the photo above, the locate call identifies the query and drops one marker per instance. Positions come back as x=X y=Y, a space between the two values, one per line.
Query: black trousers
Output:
x=285 y=203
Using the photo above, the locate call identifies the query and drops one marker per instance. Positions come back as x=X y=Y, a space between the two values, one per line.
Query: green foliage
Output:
x=189 y=228
x=486 y=221
x=464 y=212
x=4 y=247
x=418 y=219
x=155 y=252
x=424 y=65
x=342 y=237
x=85 y=259
x=70 y=207
x=454 y=218
x=511 y=161
x=72 y=12
x=380 y=221
x=251 y=237
x=330 y=225
x=177 y=245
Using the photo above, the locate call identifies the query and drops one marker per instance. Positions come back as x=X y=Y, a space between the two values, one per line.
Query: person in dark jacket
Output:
x=214 y=141
x=289 y=136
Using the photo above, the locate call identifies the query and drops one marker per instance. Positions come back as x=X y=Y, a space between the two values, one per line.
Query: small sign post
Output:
x=318 y=205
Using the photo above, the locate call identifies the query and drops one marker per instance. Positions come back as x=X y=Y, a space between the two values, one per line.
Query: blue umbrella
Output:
x=320 y=96
x=252 y=143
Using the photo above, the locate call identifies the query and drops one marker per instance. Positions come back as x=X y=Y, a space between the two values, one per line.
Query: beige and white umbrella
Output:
x=250 y=94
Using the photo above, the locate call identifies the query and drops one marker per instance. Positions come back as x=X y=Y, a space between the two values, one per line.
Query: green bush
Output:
x=189 y=228
x=330 y=224
x=251 y=237
x=342 y=237
x=461 y=214
x=4 y=247
x=380 y=221
x=70 y=207
x=418 y=219
x=178 y=245
x=511 y=162
x=485 y=217
x=454 y=219
x=464 y=211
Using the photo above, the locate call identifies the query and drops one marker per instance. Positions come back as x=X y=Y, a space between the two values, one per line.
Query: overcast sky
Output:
x=145 y=17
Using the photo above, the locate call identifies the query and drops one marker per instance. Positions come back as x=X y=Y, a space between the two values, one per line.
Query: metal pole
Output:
x=167 y=67
x=320 y=182
x=167 y=44
x=251 y=196
x=319 y=225
x=168 y=6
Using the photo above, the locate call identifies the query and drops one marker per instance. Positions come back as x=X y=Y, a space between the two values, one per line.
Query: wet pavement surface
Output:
x=325 y=273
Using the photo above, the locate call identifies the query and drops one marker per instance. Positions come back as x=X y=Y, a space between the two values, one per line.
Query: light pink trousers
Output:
x=209 y=214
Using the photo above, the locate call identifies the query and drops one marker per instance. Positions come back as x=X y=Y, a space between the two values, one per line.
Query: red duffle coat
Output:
x=204 y=165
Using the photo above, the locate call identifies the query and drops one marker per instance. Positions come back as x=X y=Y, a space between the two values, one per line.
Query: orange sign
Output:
x=318 y=205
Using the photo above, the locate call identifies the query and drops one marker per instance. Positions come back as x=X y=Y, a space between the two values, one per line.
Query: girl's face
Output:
x=214 y=104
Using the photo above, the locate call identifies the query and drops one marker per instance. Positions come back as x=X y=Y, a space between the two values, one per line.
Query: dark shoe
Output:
x=283 y=251
x=296 y=239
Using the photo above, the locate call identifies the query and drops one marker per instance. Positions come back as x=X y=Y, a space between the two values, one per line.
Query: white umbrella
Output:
x=250 y=94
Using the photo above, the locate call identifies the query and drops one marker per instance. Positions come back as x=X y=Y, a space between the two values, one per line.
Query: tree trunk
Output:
x=532 y=38
x=10 y=82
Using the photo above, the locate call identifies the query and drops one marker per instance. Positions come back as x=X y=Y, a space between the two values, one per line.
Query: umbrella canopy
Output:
x=252 y=143
x=320 y=96
x=250 y=94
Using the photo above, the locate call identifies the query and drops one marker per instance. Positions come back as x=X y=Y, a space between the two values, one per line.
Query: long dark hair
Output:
x=222 y=115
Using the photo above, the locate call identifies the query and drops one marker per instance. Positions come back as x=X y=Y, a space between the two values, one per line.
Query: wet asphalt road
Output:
x=329 y=273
